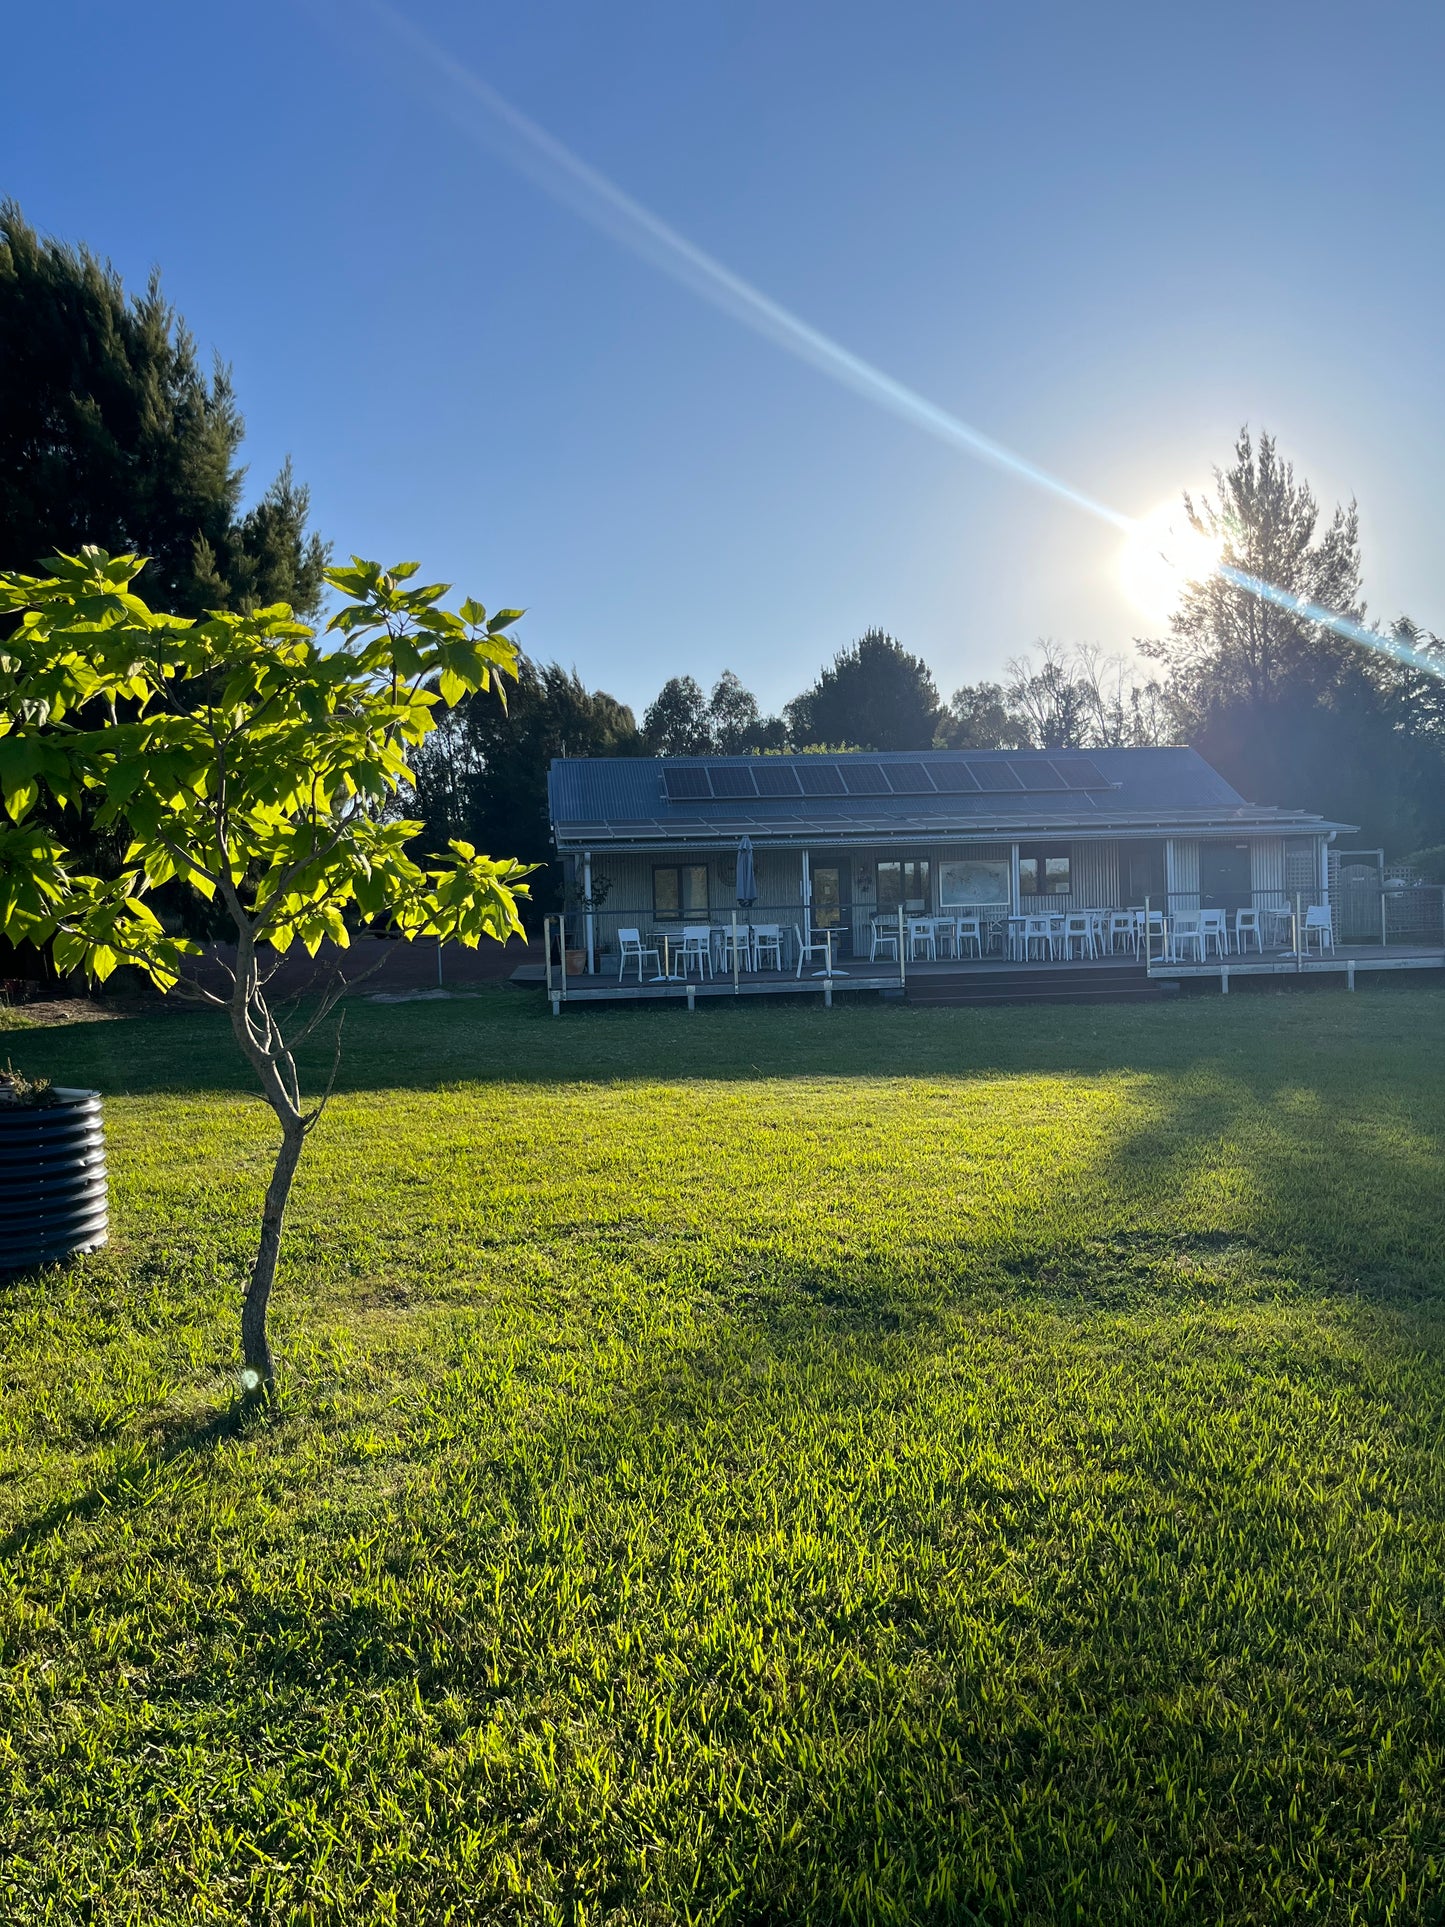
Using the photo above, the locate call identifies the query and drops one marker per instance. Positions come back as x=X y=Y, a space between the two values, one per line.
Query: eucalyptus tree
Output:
x=247 y=759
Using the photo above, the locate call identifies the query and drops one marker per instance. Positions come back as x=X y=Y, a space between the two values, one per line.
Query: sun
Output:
x=1161 y=556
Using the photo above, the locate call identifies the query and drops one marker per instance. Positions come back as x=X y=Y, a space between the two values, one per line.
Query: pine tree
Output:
x=874 y=695
x=111 y=434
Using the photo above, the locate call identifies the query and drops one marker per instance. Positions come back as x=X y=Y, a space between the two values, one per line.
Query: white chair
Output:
x=883 y=937
x=1319 y=925
x=920 y=939
x=634 y=950
x=1214 y=929
x=968 y=930
x=1038 y=930
x=1185 y=933
x=1122 y=927
x=767 y=946
x=725 y=938
x=945 y=937
x=696 y=949
x=814 y=945
x=1246 y=925
x=1079 y=929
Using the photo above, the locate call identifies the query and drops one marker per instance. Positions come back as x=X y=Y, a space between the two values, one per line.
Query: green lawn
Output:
x=758 y=1466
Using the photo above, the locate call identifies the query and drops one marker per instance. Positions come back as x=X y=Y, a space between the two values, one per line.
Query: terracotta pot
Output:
x=576 y=962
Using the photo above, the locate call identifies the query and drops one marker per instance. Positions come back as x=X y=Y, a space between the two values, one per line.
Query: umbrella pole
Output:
x=735 y=953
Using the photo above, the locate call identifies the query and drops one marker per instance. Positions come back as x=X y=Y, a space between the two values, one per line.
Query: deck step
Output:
x=1077 y=984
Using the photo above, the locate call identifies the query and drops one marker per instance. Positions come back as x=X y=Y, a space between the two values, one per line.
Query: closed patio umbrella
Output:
x=747 y=877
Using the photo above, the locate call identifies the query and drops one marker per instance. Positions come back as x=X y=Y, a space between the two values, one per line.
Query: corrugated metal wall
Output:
x=1093 y=877
x=1266 y=871
x=1181 y=872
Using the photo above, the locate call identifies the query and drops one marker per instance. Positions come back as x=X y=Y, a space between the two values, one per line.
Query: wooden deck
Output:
x=1346 y=960
x=992 y=980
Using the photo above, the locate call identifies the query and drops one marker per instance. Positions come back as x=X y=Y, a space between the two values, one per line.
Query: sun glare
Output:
x=1161 y=556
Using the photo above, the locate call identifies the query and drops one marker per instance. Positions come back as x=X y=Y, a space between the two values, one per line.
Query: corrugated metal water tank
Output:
x=53 y=1199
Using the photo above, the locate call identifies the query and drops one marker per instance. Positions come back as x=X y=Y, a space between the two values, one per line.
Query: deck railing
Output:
x=578 y=943
x=1298 y=924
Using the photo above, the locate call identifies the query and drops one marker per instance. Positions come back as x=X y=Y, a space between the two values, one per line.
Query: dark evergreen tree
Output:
x=482 y=774
x=874 y=695
x=110 y=433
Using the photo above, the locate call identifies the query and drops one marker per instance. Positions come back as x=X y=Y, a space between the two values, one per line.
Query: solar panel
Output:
x=685 y=784
x=1080 y=773
x=864 y=779
x=819 y=779
x=776 y=779
x=994 y=776
x=953 y=779
x=1037 y=774
x=908 y=779
x=732 y=782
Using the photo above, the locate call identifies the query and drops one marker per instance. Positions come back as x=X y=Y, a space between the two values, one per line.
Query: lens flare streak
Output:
x=563 y=175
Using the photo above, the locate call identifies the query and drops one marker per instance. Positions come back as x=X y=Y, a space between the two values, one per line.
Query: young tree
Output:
x=252 y=763
x=874 y=694
x=111 y=434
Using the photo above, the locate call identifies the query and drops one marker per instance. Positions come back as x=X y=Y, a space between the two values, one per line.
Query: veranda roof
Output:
x=787 y=801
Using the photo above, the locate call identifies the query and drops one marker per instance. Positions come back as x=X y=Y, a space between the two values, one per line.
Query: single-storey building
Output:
x=841 y=841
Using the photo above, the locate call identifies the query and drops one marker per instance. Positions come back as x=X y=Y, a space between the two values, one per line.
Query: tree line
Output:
x=112 y=432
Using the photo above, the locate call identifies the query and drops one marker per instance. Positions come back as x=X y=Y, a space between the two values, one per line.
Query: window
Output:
x=906 y=884
x=1043 y=872
x=679 y=891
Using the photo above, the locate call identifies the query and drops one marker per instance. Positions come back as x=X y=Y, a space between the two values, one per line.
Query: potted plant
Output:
x=53 y=1200
x=588 y=905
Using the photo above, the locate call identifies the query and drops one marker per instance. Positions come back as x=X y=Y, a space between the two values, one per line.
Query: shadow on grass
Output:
x=170 y=1440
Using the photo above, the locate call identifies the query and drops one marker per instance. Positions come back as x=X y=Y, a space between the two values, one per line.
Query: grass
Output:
x=757 y=1466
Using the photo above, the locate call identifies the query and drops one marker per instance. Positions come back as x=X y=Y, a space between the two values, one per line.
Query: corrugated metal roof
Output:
x=617 y=799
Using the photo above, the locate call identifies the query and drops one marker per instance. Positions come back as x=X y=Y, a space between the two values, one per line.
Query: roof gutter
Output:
x=912 y=833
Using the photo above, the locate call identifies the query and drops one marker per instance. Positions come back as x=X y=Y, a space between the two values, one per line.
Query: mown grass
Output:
x=762 y=1466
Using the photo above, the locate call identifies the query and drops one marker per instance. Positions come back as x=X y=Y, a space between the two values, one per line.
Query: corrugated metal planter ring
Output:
x=53 y=1200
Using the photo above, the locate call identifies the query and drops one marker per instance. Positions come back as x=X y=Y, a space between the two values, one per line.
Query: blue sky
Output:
x=1105 y=236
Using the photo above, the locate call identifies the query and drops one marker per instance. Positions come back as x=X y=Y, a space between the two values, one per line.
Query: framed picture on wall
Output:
x=966 y=880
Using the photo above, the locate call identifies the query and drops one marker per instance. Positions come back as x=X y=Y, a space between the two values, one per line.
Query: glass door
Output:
x=831 y=903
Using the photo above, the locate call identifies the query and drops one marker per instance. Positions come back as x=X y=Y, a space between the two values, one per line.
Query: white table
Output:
x=827 y=932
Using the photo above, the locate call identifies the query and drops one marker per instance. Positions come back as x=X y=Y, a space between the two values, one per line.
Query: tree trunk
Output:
x=260 y=1372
